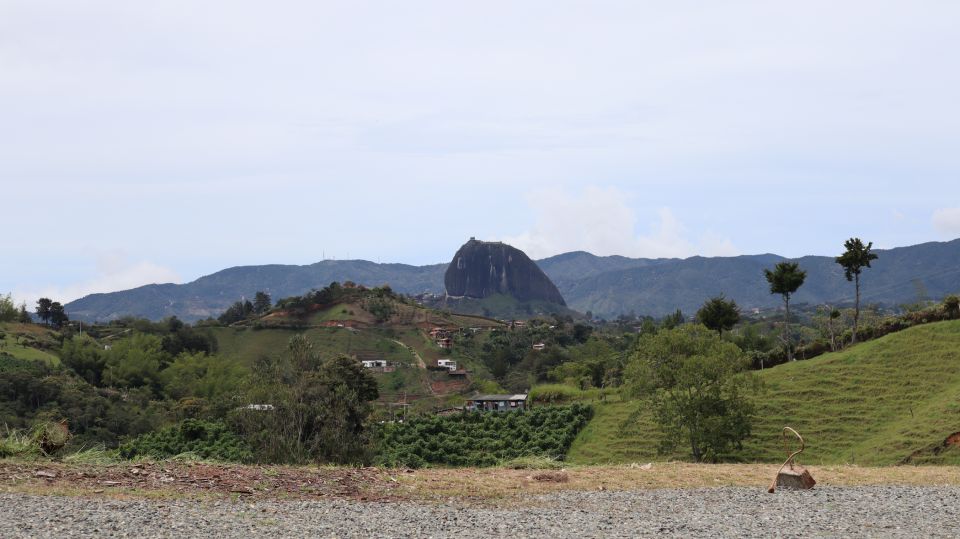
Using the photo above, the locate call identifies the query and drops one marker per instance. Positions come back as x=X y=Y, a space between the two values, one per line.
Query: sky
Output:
x=147 y=142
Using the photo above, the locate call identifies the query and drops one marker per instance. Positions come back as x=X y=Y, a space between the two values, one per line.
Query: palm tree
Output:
x=785 y=279
x=854 y=259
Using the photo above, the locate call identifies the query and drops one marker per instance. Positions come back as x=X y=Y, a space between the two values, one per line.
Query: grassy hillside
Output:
x=348 y=327
x=888 y=401
x=28 y=341
x=248 y=344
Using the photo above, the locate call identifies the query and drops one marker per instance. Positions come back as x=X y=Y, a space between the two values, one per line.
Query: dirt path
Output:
x=425 y=377
x=420 y=362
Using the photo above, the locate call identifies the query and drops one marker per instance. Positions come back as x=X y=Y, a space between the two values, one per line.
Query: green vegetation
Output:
x=888 y=401
x=305 y=408
x=785 y=279
x=719 y=314
x=620 y=431
x=690 y=377
x=203 y=439
x=482 y=439
x=17 y=443
x=28 y=342
x=856 y=257
x=287 y=382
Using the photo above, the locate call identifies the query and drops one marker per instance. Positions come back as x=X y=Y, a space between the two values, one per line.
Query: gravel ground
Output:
x=726 y=512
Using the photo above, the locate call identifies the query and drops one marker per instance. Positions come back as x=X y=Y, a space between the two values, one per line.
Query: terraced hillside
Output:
x=889 y=401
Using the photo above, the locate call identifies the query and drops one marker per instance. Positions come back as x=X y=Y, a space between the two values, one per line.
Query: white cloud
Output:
x=114 y=271
x=947 y=221
x=601 y=222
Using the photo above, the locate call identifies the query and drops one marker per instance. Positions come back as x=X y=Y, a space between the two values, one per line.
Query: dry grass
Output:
x=479 y=485
x=499 y=483
x=492 y=484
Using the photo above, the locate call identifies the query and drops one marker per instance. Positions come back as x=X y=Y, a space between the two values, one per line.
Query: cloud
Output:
x=599 y=221
x=114 y=271
x=947 y=221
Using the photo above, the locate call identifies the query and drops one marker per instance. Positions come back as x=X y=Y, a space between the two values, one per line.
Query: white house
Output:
x=374 y=363
x=448 y=363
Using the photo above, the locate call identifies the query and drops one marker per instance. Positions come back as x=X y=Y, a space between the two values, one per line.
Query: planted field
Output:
x=482 y=439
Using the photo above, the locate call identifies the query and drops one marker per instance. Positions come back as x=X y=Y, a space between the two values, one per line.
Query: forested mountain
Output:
x=607 y=286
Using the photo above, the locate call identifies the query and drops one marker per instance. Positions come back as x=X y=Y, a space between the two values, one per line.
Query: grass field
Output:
x=889 y=401
x=28 y=342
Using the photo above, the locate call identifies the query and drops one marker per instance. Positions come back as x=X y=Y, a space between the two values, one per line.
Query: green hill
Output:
x=348 y=327
x=29 y=342
x=889 y=401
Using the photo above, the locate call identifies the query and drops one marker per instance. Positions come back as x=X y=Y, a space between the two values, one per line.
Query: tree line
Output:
x=720 y=314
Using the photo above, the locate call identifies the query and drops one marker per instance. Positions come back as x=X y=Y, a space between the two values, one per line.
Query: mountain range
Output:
x=605 y=285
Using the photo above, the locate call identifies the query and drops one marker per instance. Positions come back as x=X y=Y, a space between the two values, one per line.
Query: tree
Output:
x=262 y=302
x=84 y=356
x=672 y=320
x=785 y=279
x=856 y=257
x=43 y=309
x=697 y=388
x=236 y=312
x=58 y=317
x=23 y=316
x=831 y=321
x=320 y=408
x=719 y=314
x=951 y=304
x=135 y=362
x=8 y=310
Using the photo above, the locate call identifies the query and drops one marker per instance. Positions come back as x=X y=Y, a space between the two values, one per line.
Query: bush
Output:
x=951 y=305
x=483 y=438
x=554 y=394
x=206 y=440
x=17 y=444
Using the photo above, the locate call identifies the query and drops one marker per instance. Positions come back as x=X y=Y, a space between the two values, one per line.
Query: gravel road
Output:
x=726 y=512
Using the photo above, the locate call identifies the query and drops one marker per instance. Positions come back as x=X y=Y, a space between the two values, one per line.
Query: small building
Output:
x=460 y=374
x=446 y=343
x=374 y=363
x=439 y=333
x=539 y=346
x=259 y=407
x=497 y=403
x=448 y=364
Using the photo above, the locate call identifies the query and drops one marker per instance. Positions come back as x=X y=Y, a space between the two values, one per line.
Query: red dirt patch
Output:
x=953 y=439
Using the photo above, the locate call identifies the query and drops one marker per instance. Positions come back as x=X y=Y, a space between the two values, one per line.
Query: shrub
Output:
x=951 y=305
x=15 y=443
x=554 y=394
x=206 y=440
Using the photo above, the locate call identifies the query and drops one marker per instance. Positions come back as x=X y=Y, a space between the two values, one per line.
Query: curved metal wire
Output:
x=790 y=456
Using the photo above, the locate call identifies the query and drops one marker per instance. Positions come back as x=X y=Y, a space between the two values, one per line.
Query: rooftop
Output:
x=517 y=397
